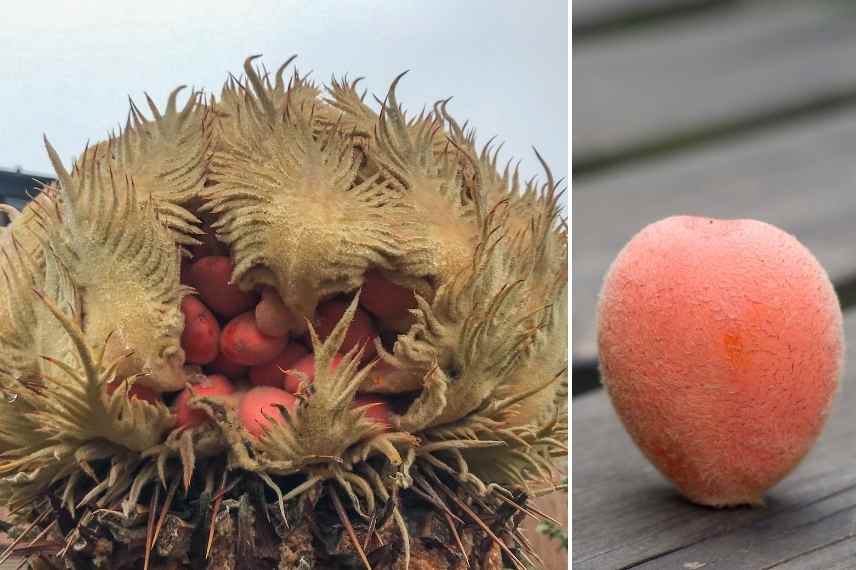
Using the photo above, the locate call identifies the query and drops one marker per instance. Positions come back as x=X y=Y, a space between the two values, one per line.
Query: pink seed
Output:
x=272 y=316
x=271 y=374
x=385 y=299
x=210 y=276
x=260 y=402
x=244 y=343
x=361 y=331
x=213 y=385
x=306 y=365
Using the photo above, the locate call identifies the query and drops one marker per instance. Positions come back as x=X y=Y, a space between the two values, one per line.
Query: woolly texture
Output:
x=721 y=345
x=263 y=213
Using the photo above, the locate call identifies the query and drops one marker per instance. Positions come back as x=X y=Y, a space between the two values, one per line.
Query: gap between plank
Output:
x=810 y=551
x=598 y=163
x=755 y=522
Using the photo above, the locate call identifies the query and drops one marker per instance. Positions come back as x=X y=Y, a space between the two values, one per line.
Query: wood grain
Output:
x=748 y=59
x=626 y=515
x=600 y=14
x=800 y=177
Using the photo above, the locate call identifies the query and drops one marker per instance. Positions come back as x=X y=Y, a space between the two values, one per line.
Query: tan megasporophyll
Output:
x=415 y=444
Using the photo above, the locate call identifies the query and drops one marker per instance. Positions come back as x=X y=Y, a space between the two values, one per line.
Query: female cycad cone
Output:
x=282 y=329
x=720 y=344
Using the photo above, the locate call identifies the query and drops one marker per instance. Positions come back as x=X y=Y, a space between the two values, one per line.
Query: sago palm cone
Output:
x=281 y=329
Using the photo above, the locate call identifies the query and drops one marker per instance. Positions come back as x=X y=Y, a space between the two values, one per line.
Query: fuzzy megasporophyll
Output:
x=421 y=289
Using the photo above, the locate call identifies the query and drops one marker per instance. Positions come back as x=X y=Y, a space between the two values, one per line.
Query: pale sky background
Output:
x=67 y=67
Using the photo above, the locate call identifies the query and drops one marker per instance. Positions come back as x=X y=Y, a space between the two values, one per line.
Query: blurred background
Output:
x=68 y=69
x=718 y=108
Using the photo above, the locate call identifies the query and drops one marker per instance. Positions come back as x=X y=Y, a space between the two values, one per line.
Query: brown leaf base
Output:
x=252 y=535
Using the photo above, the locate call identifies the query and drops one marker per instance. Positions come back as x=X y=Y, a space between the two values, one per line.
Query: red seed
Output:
x=271 y=374
x=306 y=365
x=378 y=410
x=360 y=332
x=384 y=298
x=272 y=316
x=201 y=336
x=260 y=402
x=210 y=276
x=212 y=385
x=242 y=342
x=222 y=365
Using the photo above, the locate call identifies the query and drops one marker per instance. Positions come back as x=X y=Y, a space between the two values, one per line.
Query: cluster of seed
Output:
x=249 y=350
x=286 y=283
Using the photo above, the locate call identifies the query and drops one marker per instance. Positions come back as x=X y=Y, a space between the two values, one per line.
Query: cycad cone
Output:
x=306 y=199
x=721 y=346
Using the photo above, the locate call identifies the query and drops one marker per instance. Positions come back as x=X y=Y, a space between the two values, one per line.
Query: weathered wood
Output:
x=666 y=85
x=625 y=514
x=800 y=177
x=787 y=536
x=598 y=15
x=836 y=556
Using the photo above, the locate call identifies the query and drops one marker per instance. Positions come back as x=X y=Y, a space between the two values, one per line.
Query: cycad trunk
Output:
x=251 y=535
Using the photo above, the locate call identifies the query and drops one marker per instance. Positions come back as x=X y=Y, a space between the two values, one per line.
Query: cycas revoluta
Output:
x=279 y=329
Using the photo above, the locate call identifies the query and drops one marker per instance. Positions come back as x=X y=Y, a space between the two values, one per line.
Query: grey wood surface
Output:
x=801 y=177
x=588 y=13
x=735 y=64
x=625 y=515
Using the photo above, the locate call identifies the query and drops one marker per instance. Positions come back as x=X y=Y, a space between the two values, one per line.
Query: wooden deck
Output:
x=730 y=109
x=625 y=515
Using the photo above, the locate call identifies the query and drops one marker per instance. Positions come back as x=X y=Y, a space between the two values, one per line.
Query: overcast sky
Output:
x=67 y=68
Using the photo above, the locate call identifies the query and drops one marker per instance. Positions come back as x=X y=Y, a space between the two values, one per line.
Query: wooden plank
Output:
x=625 y=514
x=593 y=16
x=792 y=536
x=836 y=556
x=666 y=85
x=801 y=177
